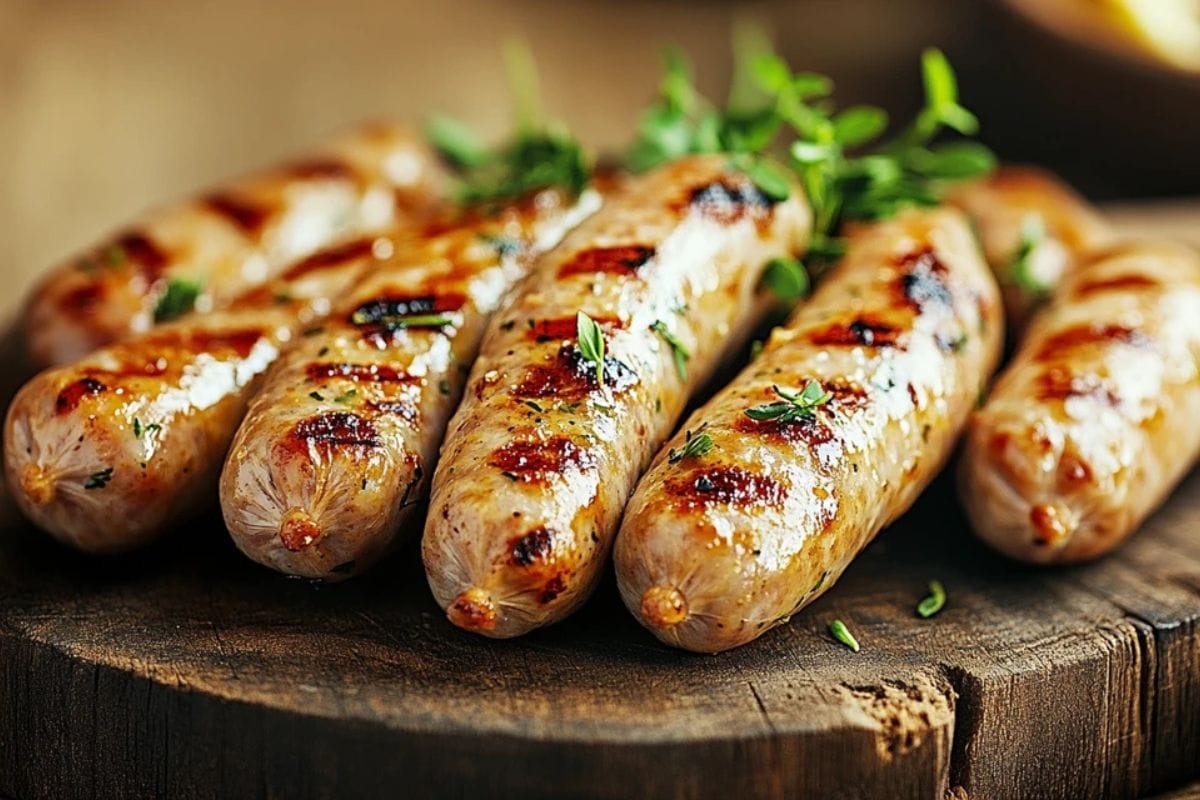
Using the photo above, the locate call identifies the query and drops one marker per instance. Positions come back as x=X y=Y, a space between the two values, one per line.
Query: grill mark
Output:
x=321 y=169
x=249 y=217
x=83 y=299
x=923 y=280
x=1065 y=341
x=371 y=317
x=627 y=260
x=331 y=257
x=552 y=589
x=1059 y=383
x=725 y=485
x=865 y=330
x=727 y=202
x=1118 y=283
x=548 y=330
x=336 y=428
x=535 y=460
x=364 y=373
x=534 y=546
x=69 y=398
x=374 y=311
x=570 y=376
x=239 y=341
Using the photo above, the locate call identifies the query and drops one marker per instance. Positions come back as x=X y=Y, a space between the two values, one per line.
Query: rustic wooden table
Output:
x=186 y=671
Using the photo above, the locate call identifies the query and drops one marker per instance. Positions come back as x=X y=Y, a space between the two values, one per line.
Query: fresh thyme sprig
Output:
x=679 y=350
x=178 y=299
x=540 y=155
x=1020 y=272
x=839 y=631
x=591 y=343
x=847 y=171
x=695 y=446
x=934 y=601
x=792 y=405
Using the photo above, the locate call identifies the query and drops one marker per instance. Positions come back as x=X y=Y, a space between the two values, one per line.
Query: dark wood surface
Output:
x=187 y=671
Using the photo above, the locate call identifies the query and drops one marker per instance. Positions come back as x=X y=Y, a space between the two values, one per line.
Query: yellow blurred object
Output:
x=1168 y=29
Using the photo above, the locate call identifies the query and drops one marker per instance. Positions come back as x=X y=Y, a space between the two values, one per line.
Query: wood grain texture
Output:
x=188 y=672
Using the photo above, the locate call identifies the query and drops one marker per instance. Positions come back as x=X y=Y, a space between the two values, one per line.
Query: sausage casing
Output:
x=229 y=240
x=546 y=447
x=337 y=448
x=1094 y=420
x=1002 y=206
x=104 y=454
x=716 y=548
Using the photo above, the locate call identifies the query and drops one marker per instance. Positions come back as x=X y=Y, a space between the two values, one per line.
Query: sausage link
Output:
x=1001 y=206
x=546 y=447
x=336 y=449
x=229 y=240
x=1094 y=421
x=105 y=454
x=718 y=547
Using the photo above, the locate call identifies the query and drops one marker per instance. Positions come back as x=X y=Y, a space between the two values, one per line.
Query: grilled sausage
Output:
x=104 y=454
x=1002 y=206
x=1094 y=421
x=228 y=241
x=546 y=447
x=719 y=546
x=336 y=449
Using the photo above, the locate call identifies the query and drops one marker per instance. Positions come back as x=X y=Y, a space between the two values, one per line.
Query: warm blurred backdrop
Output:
x=108 y=106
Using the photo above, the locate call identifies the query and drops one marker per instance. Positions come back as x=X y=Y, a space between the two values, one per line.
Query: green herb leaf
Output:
x=455 y=142
x=792 y=405
x=771 y=179
x=1020 y=272
x=695 y=446
x=934 y=602
x=344 y=399
x=317 y=396
x=98 y=480
x=591 y=343
x=858 y=125
x=539 y=156
x=177 y=300
x=137 y=428
x=786 y=278
x=840 y=632
x=679 y=351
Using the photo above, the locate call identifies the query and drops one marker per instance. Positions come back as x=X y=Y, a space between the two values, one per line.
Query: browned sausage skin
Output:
x=719 y=546
x=229 y=240
x=1094 y=421
x=547 y=445
x=337 y=449
x=1006 y=205
x=106 y=453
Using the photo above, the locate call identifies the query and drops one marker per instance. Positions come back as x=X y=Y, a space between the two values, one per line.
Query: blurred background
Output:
x=110 y=106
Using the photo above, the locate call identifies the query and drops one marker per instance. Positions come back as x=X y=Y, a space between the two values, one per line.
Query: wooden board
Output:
x=189 y=672
x=186 y=671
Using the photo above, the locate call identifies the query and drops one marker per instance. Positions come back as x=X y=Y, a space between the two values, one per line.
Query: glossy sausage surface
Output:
x=542 y=454
x=718 y=547
x=1095 y=419
x=338 y=447
x=1002 y=206
x=106 y=453
x=229 y=240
